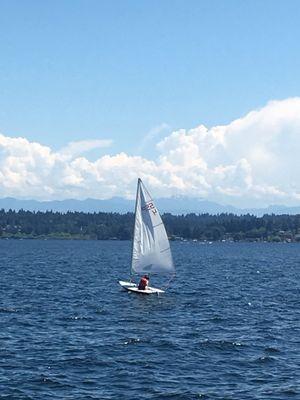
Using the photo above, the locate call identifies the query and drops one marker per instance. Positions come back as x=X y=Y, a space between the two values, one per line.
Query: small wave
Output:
x=101 y=311
x=86 y=361
x=16 y=394
x=290 y=391
x=220 y=344
x=78 y=317
x=8 y=310
x=265 y=359
x=217 y=318
x=131 y=341
x=167 y=344
x=50 y=381
x=89 y=382
x=272 y=350
x=186 y=395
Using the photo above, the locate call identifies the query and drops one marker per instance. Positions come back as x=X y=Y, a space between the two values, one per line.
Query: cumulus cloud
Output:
x=254 y=160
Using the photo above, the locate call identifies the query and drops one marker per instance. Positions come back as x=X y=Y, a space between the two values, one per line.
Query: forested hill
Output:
x=102 y=226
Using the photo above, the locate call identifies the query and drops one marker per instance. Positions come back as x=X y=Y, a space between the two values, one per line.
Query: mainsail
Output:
x=151 y=249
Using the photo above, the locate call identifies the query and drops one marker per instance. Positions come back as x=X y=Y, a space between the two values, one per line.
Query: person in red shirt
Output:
x=143 y=282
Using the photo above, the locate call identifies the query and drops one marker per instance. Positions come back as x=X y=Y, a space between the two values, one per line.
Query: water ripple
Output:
x=228 y=327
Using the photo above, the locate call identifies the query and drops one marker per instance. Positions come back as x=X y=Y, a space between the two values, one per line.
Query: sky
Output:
x=199 y=98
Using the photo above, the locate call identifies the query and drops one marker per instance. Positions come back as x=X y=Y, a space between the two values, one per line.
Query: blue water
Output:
x=228 y=328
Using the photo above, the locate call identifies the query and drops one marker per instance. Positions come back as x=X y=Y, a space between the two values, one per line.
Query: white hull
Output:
x=132 y=287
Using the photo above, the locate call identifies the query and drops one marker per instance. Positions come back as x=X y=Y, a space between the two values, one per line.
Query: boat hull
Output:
x=132 y=287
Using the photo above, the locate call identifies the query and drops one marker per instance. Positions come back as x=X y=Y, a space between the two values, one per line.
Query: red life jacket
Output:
x=143 y=283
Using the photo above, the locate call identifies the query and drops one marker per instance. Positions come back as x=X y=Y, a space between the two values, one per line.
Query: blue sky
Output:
x=116 y=69
x=121 y=70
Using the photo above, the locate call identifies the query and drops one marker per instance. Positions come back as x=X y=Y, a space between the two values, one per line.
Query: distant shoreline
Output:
x=86 y=238
x=129 y=240
x=114 y=226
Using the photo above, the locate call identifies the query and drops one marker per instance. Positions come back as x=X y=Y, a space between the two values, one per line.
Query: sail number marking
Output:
x=150 y=207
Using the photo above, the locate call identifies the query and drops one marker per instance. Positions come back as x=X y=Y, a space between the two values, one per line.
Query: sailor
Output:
x=144 y=282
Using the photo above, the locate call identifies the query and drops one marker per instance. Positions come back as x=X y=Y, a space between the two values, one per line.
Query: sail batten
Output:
x=151 y=251
x=155 y=226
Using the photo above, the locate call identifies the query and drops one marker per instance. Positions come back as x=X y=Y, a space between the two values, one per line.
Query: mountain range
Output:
x=174 y=205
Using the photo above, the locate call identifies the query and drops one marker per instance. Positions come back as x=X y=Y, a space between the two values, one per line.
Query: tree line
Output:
x=103 y=226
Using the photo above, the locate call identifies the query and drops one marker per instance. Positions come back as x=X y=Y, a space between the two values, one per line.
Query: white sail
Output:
x=151 y=249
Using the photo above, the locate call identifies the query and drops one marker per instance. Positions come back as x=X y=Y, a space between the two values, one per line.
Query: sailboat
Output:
x=151 y=253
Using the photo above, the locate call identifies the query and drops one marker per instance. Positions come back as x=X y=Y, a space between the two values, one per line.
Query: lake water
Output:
x=227 y=328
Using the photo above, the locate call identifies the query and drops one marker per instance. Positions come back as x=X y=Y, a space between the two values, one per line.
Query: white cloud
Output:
x=154 y=133
x=253 y=160
x=82 y=146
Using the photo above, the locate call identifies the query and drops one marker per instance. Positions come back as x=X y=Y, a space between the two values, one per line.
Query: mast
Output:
x=136 y=202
